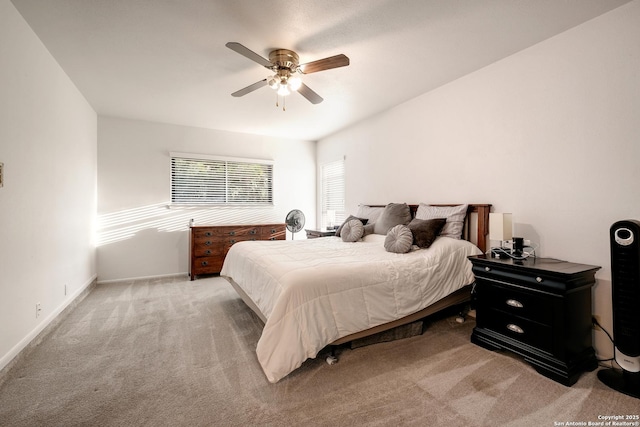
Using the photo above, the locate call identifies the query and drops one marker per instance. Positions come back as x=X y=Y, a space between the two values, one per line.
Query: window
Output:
x=209 y=180
x=332 y=190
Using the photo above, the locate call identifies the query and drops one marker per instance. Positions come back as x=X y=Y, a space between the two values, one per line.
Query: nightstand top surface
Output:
x=550 y=265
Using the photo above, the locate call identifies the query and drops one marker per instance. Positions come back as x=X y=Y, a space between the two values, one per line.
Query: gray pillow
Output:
x=455 y=216
x=393 y=214
x=352 y=231
x=339 y=230
x=399 y=239
x=425 y=231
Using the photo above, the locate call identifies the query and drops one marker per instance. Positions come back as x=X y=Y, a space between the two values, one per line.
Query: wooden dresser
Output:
x=209 y=244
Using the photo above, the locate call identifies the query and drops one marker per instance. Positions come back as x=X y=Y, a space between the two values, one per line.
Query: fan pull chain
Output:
x=283 y=102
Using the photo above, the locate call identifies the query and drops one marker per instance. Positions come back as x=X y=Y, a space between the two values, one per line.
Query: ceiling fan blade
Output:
x=306 y=91
x=237 y=47
x=250 y=88
x=324 y=64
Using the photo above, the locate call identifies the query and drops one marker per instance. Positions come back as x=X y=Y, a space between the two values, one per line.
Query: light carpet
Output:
x=173 y=352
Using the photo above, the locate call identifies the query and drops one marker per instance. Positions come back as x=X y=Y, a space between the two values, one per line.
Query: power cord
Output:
x=612 y=359
x=507 y=253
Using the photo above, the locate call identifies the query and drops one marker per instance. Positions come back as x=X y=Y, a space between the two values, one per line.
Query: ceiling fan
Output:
x=285 y=65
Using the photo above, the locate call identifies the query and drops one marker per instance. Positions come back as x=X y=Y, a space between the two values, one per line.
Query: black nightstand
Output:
x=539 y=308
x=312 y=234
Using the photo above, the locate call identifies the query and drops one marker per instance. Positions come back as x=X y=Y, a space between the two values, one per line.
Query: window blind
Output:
x=220 y=181
x=332 y=188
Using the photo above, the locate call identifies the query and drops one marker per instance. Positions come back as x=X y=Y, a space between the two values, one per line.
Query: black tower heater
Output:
x=625 y=290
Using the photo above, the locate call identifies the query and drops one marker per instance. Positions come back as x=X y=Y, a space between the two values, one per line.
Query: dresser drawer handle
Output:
x=273 y=230
x=515 y=328
x=232 y=241
x=208 y=234
x=514 y=303
x=232 y=233
x=487 y=269
x=204 y=263
x=539 y=279
x=272 y=238
x=254 y=231
x=207 y=252
x=207 y=243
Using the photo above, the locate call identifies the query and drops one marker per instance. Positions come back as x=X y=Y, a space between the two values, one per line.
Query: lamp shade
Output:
x=500 y=226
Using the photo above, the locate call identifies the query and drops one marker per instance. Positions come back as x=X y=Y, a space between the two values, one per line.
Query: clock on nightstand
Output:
x=539 y=308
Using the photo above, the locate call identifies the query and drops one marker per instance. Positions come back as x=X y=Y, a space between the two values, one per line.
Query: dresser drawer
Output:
x=207 y=265
x=273 y=233
x=213 y=248
x=526 y=304
x=524 y=331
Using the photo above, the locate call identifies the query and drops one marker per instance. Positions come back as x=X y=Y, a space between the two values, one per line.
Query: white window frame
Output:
x=332 y=192
x=220 y=189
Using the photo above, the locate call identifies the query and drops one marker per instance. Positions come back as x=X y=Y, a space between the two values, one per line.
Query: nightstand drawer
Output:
x=525 y=304
x=523 y=330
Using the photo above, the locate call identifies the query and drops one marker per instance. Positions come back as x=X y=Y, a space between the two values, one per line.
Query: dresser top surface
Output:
x=549 y=265
x=266 y=224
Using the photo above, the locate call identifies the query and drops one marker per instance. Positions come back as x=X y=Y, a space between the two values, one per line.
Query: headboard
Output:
x=476 y=224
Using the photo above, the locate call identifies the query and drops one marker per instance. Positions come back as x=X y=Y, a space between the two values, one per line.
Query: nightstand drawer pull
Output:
x=514 y=303
x=515 y=328
x=487 y=269
x=539 y=279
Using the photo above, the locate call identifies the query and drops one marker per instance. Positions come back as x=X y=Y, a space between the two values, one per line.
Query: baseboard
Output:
x=133 y=279
x=35 y=337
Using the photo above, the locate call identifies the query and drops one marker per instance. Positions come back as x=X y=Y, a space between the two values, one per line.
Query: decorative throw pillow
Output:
x=399 y=239
x=455 y=216
x=339 y=230
x=368 y=229
x=393 y=214
x=352 y=231
x=425 y=231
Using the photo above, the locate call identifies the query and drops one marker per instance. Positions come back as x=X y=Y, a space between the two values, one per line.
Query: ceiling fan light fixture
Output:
x=283 y=90
x=273 y=82
x=294 y=83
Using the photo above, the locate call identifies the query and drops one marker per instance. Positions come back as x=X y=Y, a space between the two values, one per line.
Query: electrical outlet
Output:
x=38 y=309
x=595 y=322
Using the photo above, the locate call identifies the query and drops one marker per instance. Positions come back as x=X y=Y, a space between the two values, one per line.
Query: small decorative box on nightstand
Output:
x=312 y=234
x=539 y=308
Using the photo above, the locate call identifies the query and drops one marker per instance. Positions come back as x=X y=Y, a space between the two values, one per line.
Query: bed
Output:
x=318 y=292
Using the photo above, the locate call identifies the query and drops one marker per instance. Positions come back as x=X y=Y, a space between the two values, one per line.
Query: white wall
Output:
x=550 y=134
x=48 y=146
x=138 y=236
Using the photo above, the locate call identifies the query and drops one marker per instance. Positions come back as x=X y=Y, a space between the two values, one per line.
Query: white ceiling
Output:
x=166 y=60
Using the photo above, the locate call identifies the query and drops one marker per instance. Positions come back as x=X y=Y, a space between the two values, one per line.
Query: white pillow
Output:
x=369 y=212
x=352 y=231
x=455 y=216
x=399 y=239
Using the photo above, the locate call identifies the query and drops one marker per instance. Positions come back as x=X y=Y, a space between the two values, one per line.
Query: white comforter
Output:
x=313 y=292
